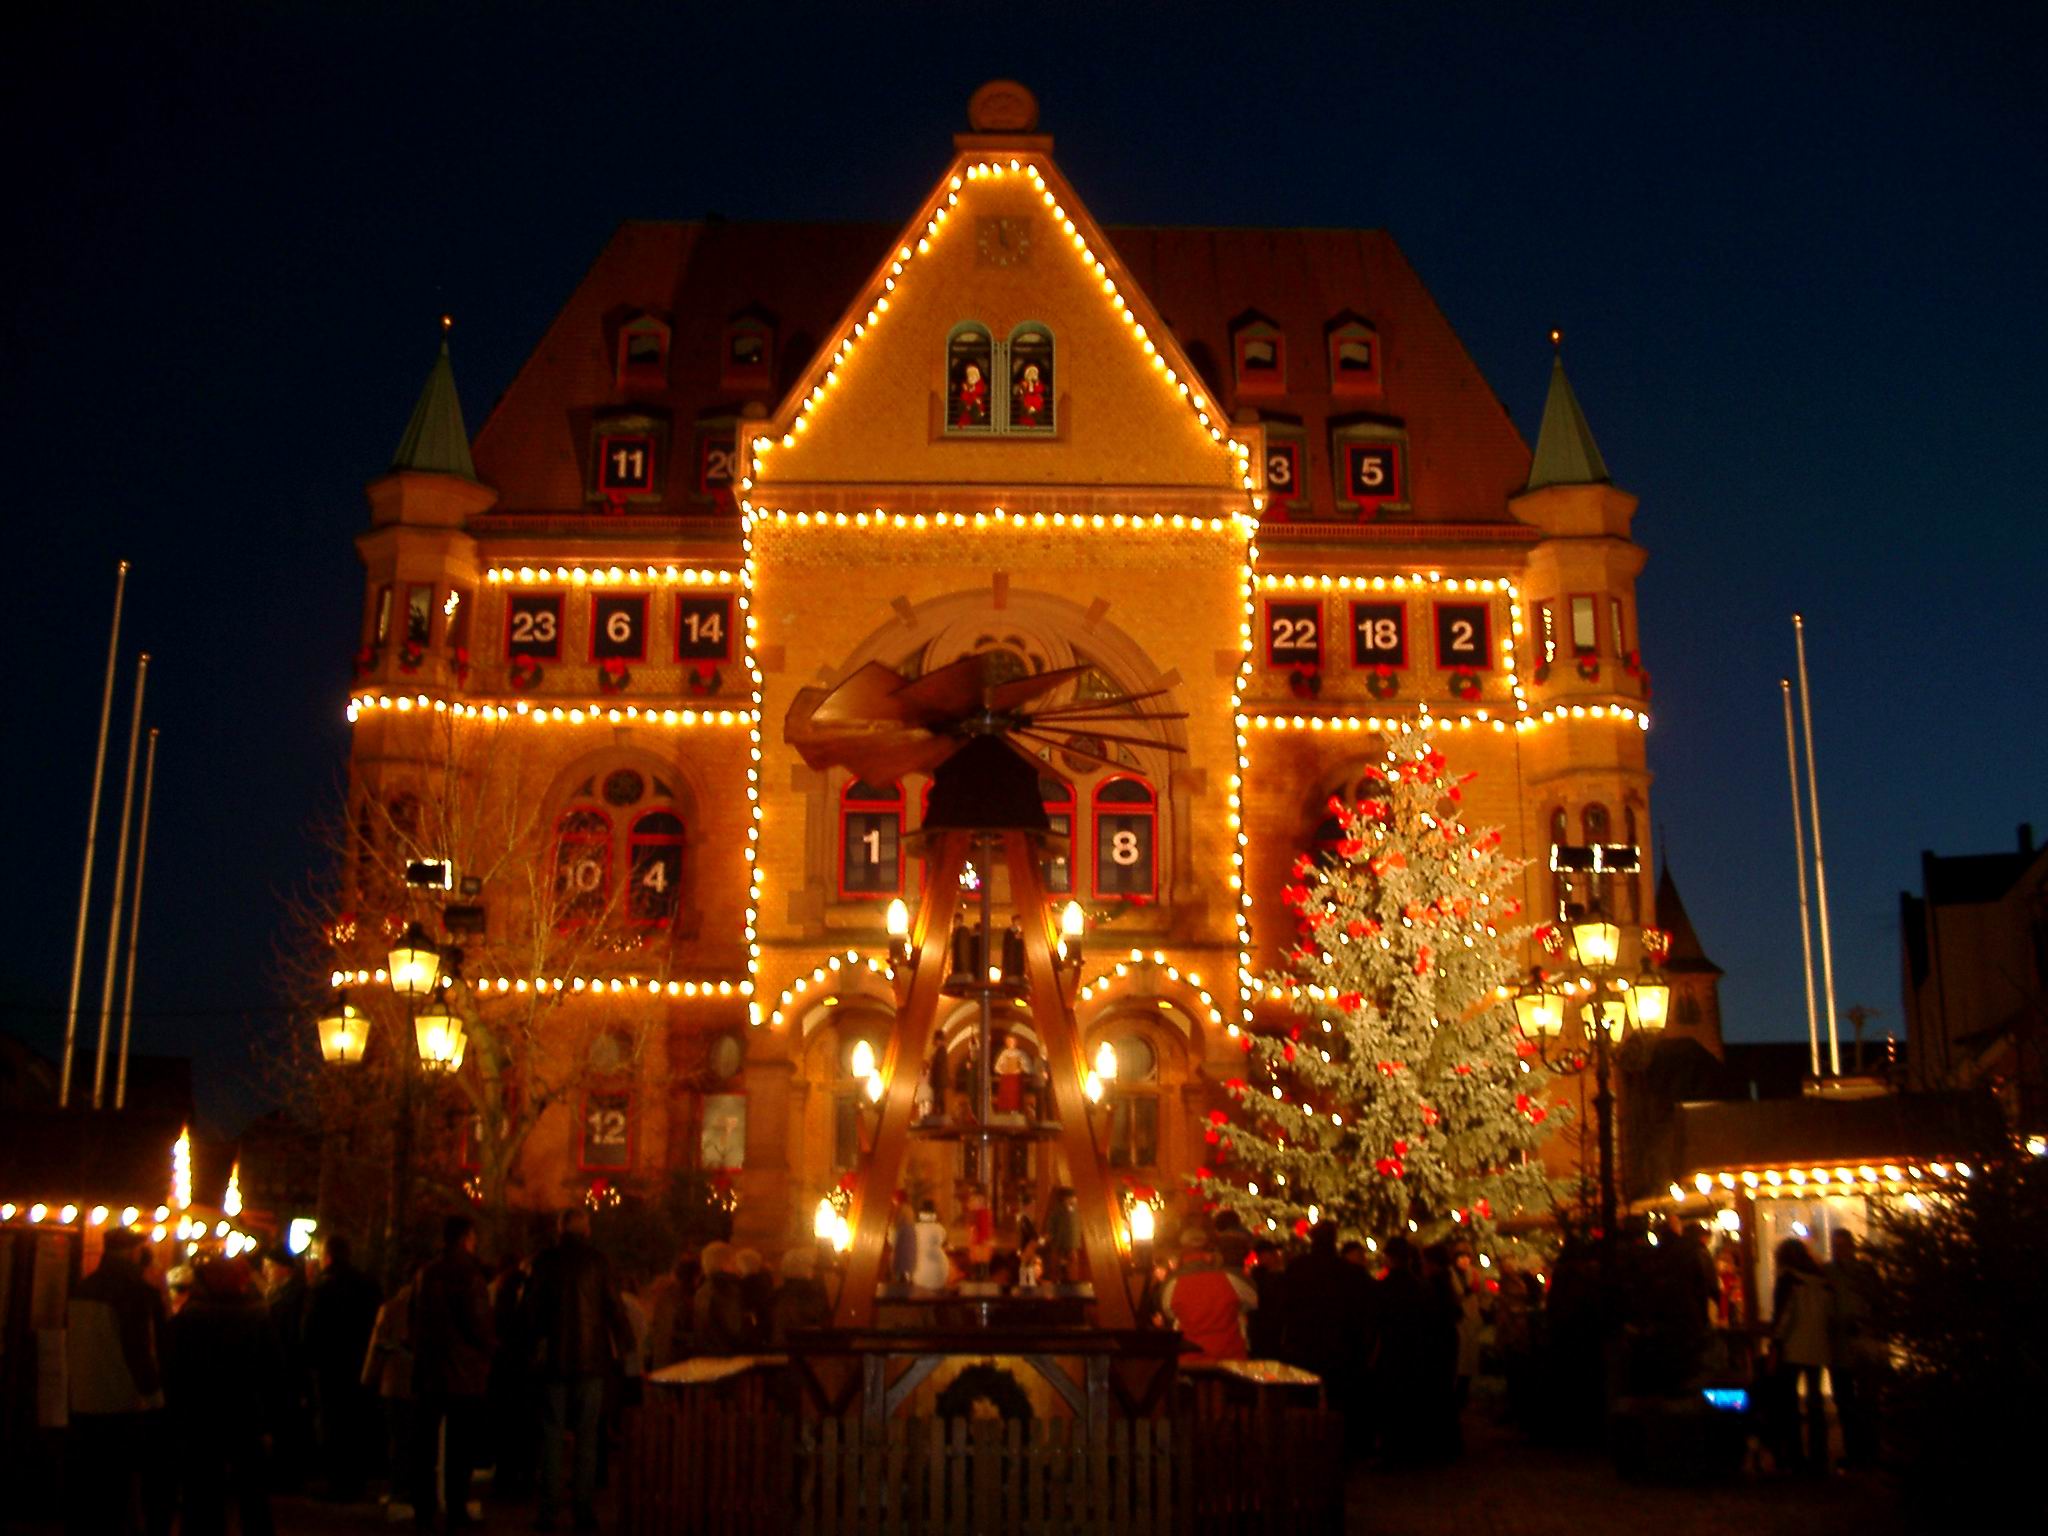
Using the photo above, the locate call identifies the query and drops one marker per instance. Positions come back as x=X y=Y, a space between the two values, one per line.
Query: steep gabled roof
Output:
x=1686 y=953
x=1565 y=451
x=435 y=441
x=1465 y=455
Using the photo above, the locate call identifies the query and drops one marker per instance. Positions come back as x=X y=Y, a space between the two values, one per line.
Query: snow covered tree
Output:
x=1403 y=1100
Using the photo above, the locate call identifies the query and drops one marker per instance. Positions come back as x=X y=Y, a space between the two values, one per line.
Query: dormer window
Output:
x=748 y=359
x=1354 y=358
x=1371 y=462
x=643 y=354
x=1261 y=352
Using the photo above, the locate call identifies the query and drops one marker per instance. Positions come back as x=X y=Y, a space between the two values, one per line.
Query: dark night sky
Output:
x=1796 y=262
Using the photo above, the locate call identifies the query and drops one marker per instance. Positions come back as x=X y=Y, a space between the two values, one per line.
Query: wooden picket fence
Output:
x=709 y=1468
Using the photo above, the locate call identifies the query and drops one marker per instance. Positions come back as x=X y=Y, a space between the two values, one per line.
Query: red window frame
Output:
x=1592 y=602
x=1348 y=381
x=736 y=375
x=1297 y=449
x=730 y=617
x=869 y=806
x=621 y=600
x=583 y=1162
x=652 y=374
x=1068 y=807
x=606 y=486
x=1261 y=381
x=584 y=837
x=712 y=440
x=512 y=600
x=636 y=839
x=1272 y=618
x=1485 y=611
x=426 y=640
x=1396 y=491
x=1149 y=811
x=1399 y=612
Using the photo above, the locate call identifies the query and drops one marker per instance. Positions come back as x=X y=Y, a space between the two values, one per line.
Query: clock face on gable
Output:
x=1002 y=242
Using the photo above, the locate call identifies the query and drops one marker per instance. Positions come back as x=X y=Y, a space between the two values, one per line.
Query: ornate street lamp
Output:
x=1610 y=1004
x=440 y=1036
x=414 y=964
x=344 y=1033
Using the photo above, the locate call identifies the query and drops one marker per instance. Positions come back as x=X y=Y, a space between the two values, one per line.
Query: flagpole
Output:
x=135 y=924
x=92 y=832
x=1799 y=845
x=1820 y=866
x=99 y=1065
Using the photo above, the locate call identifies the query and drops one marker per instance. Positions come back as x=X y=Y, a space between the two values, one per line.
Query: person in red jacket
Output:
x=1206 y=1301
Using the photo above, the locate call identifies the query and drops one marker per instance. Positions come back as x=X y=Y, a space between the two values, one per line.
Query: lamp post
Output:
x=414 y=966
x=1611 y=1003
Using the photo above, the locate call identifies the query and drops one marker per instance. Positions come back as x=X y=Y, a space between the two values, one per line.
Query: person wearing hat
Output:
x=113 y=1350
x=226 y=1385
x=1207 y=1302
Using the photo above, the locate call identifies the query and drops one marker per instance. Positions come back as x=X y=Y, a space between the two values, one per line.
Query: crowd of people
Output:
x=1394 y=1333
x=229 y=1381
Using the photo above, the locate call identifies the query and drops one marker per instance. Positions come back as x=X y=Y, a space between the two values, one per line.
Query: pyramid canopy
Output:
x=1565 y=451
x=435 y=442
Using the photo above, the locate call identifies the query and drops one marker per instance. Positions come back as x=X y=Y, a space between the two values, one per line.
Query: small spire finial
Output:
x=447 y=324
x=1556 y=339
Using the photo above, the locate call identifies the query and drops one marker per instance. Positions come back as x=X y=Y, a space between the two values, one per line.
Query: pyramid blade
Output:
x=1020 y=691
x=1059 y=744
x=950 y=693
x=880 y=760
x=870 y=693
x=1104 y=701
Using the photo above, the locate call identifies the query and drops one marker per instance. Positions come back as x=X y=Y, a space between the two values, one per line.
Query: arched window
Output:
x=1058 y=797
x=970 y=370
x=1134 y=1104
x=1031 y=379
x=583 y=866
x=620 y=819
x=1595 y=826
x=1632 y=883
x=1560 y=881
x=870 y=840
x=656 y=852
x=1126 y=848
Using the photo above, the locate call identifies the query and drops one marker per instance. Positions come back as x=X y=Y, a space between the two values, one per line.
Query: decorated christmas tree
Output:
x=1403 y=1100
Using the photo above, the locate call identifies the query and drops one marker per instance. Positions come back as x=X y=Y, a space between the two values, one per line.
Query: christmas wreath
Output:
x=366 y=659
x=410 y=655
x=1464 y=683
x=984 y=1391
x=1305 y=682
x=1383 y=682
x=458 y=662
x=526 y=672
x=701 y=680
x=613 y=676
x=1589 y=668
x=1542 y=672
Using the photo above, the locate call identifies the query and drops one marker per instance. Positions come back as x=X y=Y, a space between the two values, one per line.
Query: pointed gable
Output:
x=1005 y=250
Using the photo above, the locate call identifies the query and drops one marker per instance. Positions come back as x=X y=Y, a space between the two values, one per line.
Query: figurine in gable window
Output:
x=1029 y=404
x=970 y=398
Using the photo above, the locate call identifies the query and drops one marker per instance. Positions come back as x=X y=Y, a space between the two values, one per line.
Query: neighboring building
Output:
x=1251 y=469
x=1975 y=954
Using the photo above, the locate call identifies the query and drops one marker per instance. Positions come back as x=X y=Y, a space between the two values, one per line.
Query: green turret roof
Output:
x=1565 y=451
x=435 y=442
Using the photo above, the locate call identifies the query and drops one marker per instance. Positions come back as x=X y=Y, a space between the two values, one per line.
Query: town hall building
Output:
x=1249 y=472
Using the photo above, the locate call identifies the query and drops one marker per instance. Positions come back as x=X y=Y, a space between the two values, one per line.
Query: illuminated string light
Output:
x=609 y=576
x=526 y=711
x=829 y=971
x=599 y=986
